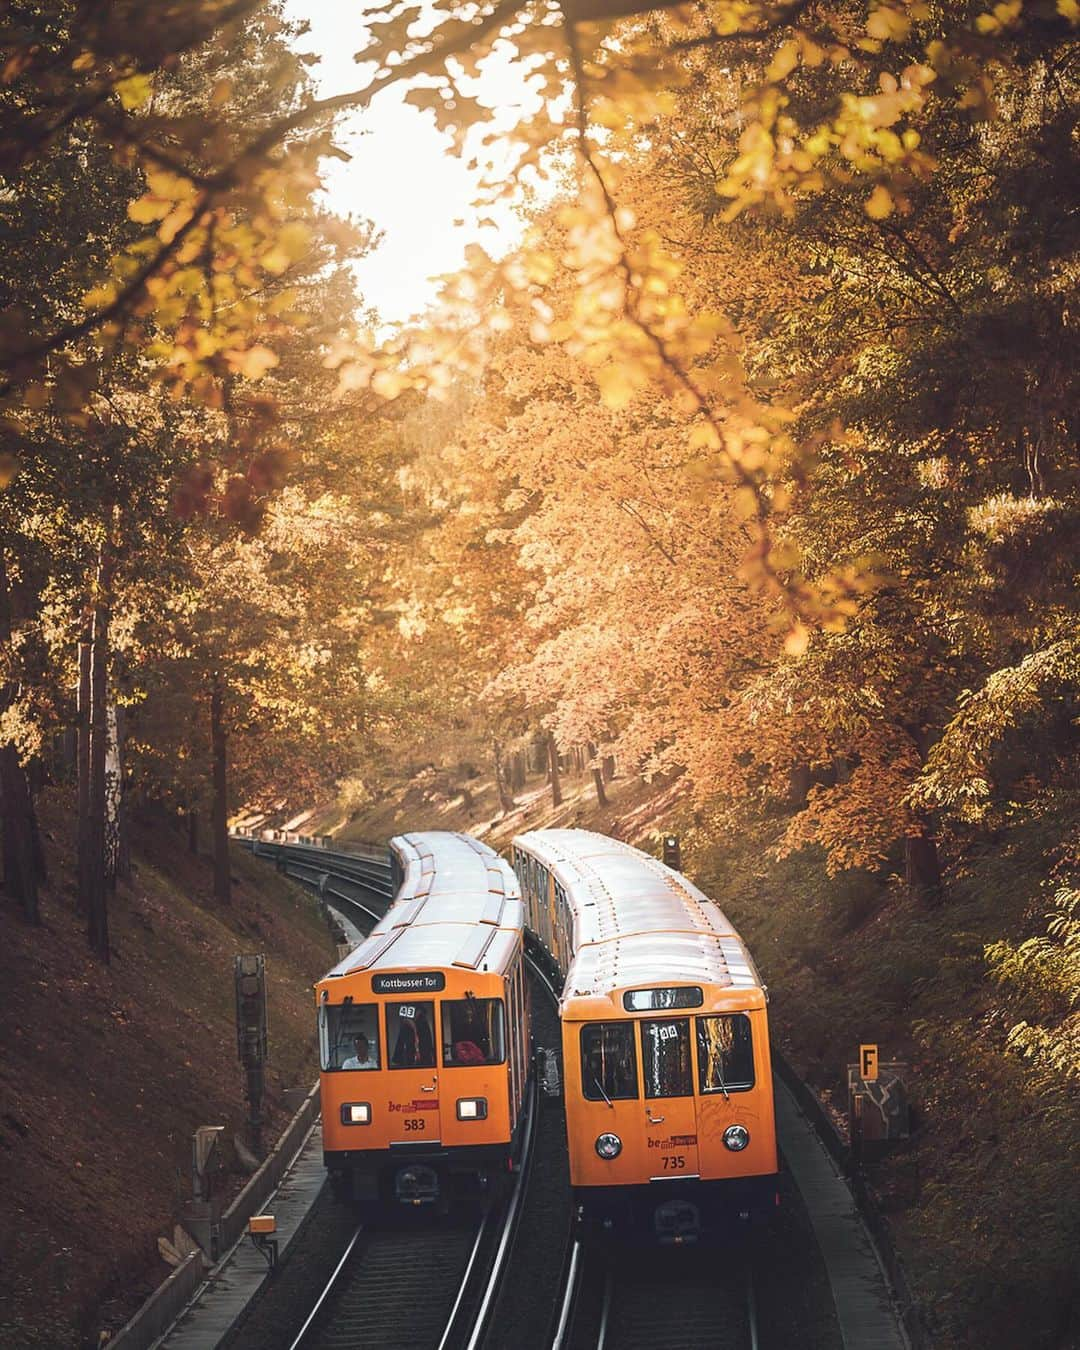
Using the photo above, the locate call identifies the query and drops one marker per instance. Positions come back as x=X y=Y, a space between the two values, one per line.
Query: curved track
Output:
x=667 y=1299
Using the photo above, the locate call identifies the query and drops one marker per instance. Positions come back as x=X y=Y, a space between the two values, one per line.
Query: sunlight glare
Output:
x=403 y=175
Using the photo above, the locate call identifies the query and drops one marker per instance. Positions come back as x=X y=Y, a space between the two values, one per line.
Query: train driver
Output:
x=364 y=1058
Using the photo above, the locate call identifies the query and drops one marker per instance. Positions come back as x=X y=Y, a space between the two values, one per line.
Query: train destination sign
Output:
x=409 y=982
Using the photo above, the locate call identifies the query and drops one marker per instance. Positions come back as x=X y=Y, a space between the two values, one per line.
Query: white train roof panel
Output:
x=458 y=905
x=637 y=921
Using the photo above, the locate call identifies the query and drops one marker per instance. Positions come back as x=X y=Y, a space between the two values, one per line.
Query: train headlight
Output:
x=472 y=1108
x=736 y=1138
x=608 y=1146
x=356 y=1113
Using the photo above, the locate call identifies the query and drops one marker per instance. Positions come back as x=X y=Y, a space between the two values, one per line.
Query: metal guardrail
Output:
x=233 y=1223
x=163 y=1306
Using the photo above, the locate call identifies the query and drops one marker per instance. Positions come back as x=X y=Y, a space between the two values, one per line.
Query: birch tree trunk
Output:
x=598 y=777
x=112 y=795
x=82 y=763
x=553 y=771
x=506 y=799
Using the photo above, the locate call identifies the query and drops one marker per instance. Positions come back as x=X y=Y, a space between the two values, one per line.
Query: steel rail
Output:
x=509 y=1226
x=310 y=1320
x=449 y=1328
x=570 y=1292
x=751 y=1304
x=605 y=1308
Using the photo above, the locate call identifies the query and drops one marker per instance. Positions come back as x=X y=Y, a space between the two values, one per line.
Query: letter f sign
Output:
x=868 y=1063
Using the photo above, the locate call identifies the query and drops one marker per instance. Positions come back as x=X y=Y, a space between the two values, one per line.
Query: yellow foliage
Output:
x=879 y=205
x=888 y=25
x=134 y=91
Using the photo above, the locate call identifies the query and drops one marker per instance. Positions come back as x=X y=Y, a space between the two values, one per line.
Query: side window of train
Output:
x=608 y=1064
x=665 y=1057
x=725 y=1050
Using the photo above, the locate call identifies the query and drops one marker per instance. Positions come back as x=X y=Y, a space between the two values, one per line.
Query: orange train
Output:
x=669 y=1104
x=424 y=1030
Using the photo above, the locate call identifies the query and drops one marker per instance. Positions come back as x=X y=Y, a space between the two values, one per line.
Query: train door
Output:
x=671 y=1131
x=603 y=1102
x=412 y=1083
x=734 y=1083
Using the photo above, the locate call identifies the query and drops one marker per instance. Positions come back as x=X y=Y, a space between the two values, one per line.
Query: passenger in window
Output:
x=468 y=1052
x=363 y=1059
x=415 y=1044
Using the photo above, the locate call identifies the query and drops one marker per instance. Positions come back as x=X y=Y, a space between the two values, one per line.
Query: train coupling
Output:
x=417 y=1184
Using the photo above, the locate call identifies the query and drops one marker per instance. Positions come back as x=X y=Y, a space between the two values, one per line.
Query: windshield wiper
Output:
x=602 y=1092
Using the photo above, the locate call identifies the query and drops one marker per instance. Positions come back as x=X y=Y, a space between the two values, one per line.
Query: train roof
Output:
x=637 y=922
x=459 y=905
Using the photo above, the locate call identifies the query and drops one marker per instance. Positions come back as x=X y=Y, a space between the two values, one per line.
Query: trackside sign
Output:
x=409 y=982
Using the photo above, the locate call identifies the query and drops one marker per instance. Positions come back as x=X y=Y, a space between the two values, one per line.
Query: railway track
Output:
x=667 y=1299
x=419 y=1285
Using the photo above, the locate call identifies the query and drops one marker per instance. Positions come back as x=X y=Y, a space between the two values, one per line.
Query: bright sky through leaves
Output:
x=402 y=174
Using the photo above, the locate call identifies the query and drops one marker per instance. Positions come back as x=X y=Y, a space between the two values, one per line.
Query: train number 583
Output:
x=414 y=1122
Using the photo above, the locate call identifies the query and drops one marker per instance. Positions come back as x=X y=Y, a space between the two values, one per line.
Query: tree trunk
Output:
x=506 y=800
x=82 y=764
x=123 y=824
x=597 y=777
x=37 y=848
x=97 y=903
x=20 y=872
x=922 y=869
x=608 y=768
x=553 y=771
x=517 y=771
x=799 y=782
x=219 y=821
x=113 y=782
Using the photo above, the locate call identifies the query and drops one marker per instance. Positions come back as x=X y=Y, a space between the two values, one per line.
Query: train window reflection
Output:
x=608 y=1067
x=410 y=1034
x=654 y=1000
x=349 y=1036
x=665 y=1058
x=472 y=1031
x=725 y=1053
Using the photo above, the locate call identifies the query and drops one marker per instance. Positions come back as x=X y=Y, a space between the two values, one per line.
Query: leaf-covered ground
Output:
x=106 y=1071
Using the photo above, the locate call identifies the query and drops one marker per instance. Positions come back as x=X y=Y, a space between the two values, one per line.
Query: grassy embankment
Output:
x=985 y=1203
x=105 y=1071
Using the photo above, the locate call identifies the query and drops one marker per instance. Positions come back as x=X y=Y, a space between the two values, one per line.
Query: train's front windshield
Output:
x=410 y=1034
x=608 y=1065
x=348 y=1036
x=472 y=1031
x=725 y=1052
x=665 y=1058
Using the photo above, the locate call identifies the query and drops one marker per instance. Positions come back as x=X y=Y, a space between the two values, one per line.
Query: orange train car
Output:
x=665 y=1040
x=424 y=1030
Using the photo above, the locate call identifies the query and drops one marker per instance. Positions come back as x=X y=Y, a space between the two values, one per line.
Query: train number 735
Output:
x=674 y=1162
